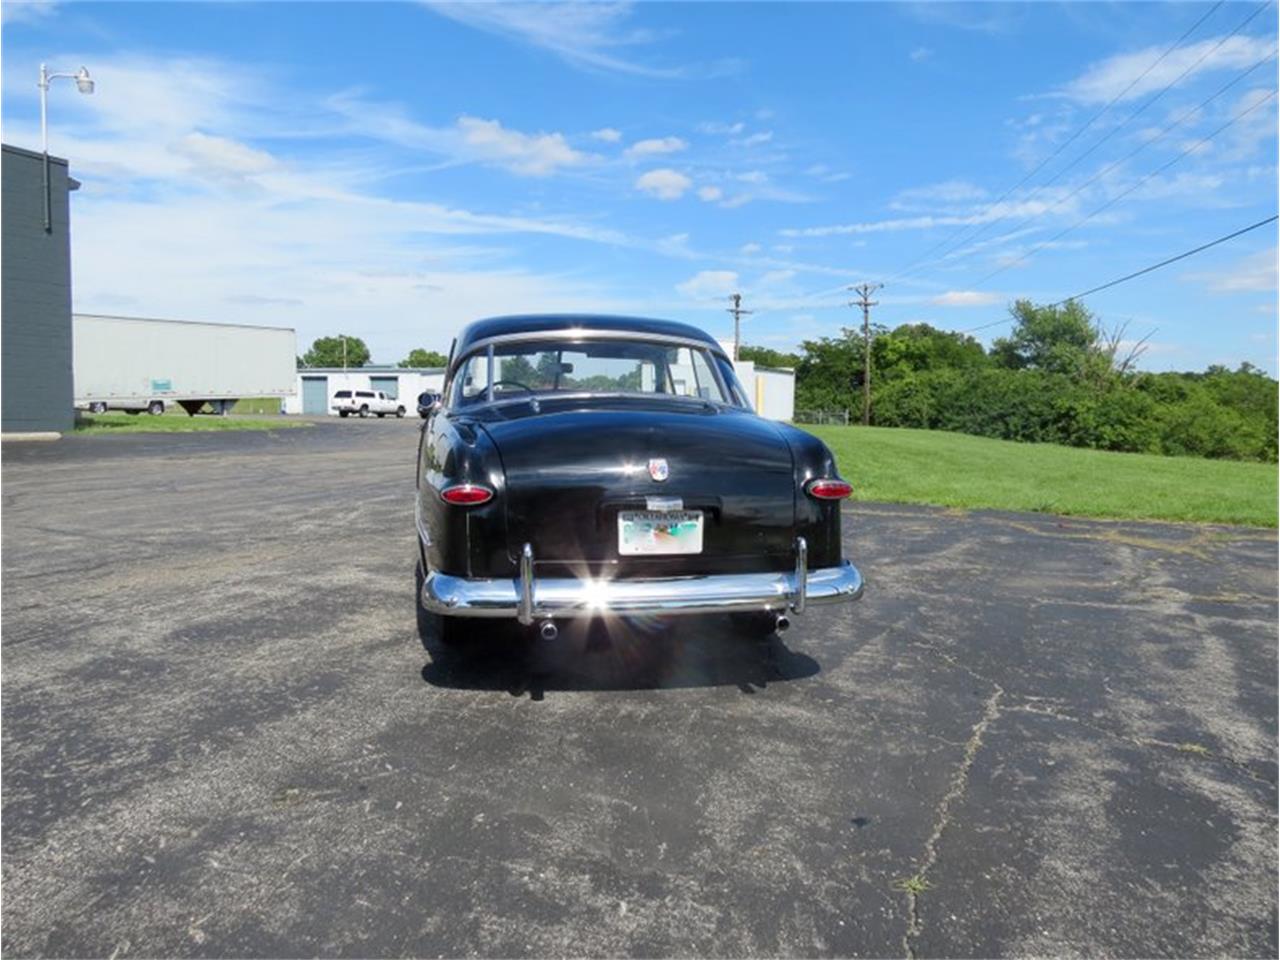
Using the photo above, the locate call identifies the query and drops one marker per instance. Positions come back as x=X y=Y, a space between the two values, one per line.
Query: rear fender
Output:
x=463 y=541
x=818 y=521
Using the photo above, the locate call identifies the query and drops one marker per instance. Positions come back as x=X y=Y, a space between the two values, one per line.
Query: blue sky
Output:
x=395 y=170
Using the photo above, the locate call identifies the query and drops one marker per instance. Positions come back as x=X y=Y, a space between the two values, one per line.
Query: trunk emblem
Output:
x=658 y=469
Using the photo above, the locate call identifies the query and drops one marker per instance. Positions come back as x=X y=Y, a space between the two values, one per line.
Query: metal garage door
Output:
x=388 y=385
x=315 y=394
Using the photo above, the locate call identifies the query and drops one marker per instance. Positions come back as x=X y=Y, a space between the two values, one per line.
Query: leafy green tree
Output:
x=424 y=358
x=1055 y=339
x=765 y=357
x=829 y=375
x=328 y=352
x=915 y=347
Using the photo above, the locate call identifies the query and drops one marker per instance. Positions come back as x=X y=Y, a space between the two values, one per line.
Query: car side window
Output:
x=735 y=386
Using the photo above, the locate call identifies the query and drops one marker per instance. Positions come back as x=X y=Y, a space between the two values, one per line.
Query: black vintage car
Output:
x=594 y=466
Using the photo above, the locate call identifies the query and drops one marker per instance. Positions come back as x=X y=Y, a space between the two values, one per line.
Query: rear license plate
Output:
x=645 y=532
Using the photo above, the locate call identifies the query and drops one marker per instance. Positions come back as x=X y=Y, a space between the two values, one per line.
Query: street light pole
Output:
x=85 y=85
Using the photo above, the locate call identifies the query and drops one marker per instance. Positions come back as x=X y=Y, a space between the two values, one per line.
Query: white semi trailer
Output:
x=136 y=364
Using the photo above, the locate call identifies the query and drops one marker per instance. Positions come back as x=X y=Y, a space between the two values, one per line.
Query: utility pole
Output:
x=864 y=292
x=344 y=350
x=738 y=313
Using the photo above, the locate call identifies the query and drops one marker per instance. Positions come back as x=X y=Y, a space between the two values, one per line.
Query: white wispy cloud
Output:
x=534 y=155
x=994 y=18
x=755 y=139
x=720 y=127
x=710 y=193
x=26 y=11
x=595 y=36
x=221 y=157
x=709 y=283
x=664 y=183
x=920 y=54
x=469 y=140
x=820 y=171
x=607 y=135
x=1107 y=78
x=992 y=212
x=932 y=194
x=656 y=146
x=1255 y=273
x=966 y=298
x=775 y=278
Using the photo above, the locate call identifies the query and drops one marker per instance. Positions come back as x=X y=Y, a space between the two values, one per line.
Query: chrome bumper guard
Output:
x=528 y=599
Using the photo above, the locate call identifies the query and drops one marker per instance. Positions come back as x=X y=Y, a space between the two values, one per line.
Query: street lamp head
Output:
x=83 y=82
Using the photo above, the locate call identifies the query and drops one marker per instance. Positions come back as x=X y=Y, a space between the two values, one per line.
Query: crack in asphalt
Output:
x=959 y=783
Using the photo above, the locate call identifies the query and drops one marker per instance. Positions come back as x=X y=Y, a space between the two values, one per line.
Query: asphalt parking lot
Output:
x=223 y=736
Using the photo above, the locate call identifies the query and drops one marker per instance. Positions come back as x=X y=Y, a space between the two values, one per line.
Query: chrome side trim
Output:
x=564 y=597
x=801 y=575
x=418 y=522
x=524 y=613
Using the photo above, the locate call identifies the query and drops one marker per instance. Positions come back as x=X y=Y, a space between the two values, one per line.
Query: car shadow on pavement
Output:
x=631 y=654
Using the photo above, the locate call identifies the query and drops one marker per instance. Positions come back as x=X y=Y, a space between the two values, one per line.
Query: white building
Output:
x=316 y=385
x=771 y=390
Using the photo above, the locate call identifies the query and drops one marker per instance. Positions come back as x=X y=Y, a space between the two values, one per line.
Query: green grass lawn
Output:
x=119 y=422
x=957 y=470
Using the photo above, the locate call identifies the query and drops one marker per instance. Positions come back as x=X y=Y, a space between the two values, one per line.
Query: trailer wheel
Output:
x=97 y=407
x=155 y=407
x=399 y=412
x=343 y=413
x=364 y=410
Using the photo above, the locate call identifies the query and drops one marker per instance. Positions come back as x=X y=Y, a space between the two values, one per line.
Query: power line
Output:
x=1138 y=273
x=1146 y=143
x=982 y=227
x=1124 y=193
x=1165 y=263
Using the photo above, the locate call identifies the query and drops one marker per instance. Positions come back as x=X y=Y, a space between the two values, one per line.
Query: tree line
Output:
x=1058 y=377
x=345 y=351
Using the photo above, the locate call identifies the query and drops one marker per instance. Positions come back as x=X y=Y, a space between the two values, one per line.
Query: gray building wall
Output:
x=35 y=296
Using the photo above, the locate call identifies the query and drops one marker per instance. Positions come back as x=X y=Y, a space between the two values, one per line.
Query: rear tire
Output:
x=97 y=407
x=452 y=632
x=399 y=413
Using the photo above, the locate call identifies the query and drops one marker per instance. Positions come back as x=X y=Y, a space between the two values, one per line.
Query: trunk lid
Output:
x=570 y=472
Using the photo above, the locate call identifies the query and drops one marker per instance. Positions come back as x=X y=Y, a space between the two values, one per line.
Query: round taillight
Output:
x=828 y=489
x=466 y=494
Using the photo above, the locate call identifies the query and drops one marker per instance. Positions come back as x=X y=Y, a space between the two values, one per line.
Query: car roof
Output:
x=555 y=322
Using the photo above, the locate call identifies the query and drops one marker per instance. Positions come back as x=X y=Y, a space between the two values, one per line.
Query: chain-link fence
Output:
x=822 y=416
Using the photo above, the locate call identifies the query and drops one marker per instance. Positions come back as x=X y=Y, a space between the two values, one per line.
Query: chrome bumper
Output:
x=528 y=599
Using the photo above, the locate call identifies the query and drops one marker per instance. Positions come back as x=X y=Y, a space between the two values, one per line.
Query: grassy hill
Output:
x=957 y=470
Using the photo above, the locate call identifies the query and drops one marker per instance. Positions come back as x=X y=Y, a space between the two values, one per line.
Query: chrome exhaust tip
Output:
x=782 y=624
x=548 y=630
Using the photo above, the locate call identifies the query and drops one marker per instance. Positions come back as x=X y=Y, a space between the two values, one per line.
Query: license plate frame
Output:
x=660 y=533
